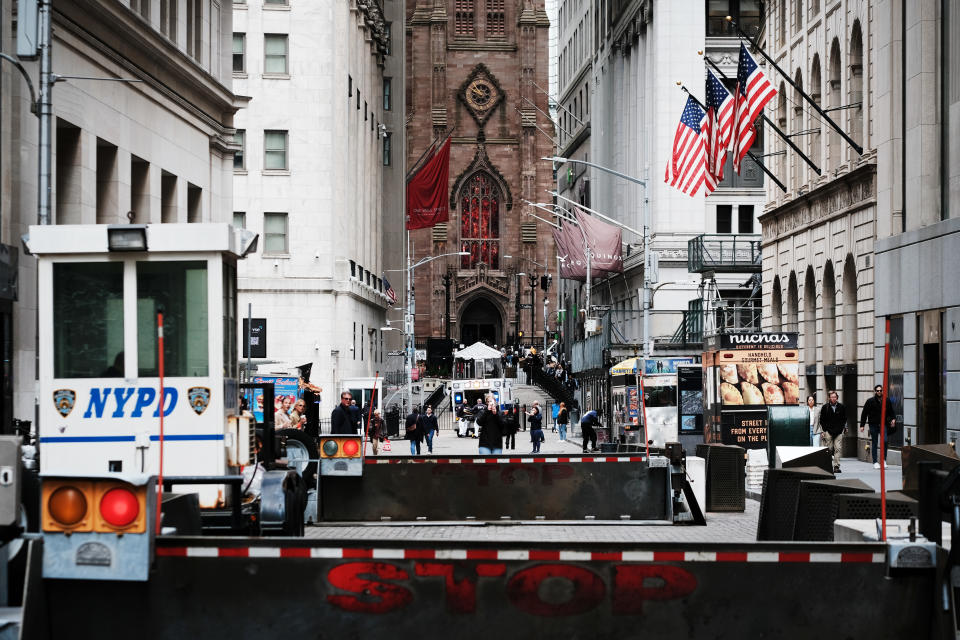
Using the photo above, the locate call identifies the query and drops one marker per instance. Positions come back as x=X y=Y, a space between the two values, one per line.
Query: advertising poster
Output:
x=633 y=410
x=282 y=387
x=663 y=365
x=690 y=388
x=747 y=429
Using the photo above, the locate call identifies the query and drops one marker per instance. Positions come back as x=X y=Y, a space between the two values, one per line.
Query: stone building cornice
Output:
x=847 y=193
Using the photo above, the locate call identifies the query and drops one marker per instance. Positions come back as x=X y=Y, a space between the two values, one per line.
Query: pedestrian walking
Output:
x=871 y=416
x=376 y=430
x=833 y=421
x=341 y=418
x=588 y=426
x=814 y=412
x=563 y=418
x=414 y=432
x=428 y=424
x=511 y=424
x=356 y=415
x=490 y=423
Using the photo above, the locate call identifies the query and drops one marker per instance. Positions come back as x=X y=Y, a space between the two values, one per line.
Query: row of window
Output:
x=276 y=51
x=465 y=14
x=744 y=218
x=168 y=10
x=357 y=272
x=275 y=231
x=274 y=150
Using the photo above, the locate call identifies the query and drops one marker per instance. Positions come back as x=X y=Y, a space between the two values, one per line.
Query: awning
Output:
x=626 y=368
x=477 y=351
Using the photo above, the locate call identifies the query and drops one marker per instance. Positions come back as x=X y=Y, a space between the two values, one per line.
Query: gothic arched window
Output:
x=479 y=203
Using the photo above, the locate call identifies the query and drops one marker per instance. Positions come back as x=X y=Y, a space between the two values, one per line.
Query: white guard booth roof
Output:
x=477 y=351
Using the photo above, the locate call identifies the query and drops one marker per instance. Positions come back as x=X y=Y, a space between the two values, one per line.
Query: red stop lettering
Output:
x=523 y=590
x=553 y=472
x=461 y=593
x=374 y=596
x=635 y=584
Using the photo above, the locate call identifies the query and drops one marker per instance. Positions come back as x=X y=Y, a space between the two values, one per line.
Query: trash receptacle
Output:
x=787 y=426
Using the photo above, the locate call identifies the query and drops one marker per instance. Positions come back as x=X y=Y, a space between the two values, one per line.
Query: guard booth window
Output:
x=88 y=320
x=180 y=289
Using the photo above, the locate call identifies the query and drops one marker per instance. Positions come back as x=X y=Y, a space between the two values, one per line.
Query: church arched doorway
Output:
x=481 y=320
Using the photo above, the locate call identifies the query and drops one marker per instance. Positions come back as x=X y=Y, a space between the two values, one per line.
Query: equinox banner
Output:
x=605 y=247
x=427 y=191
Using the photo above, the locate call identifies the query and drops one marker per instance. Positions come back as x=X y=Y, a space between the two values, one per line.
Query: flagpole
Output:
x=813 y=104
x=782 y=186
x=785 y=137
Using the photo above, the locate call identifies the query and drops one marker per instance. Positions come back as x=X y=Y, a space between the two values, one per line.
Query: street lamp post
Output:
x=408 y=325
x=533 y=302
x=647 y=342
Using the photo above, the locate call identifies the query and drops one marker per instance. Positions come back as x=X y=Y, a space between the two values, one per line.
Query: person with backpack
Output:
x=563 y=417
x=414 y=431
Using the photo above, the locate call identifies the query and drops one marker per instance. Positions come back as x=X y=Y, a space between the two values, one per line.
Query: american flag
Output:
x=719 y=125
x=388 y=290
x=687 y=167
x=754 y=91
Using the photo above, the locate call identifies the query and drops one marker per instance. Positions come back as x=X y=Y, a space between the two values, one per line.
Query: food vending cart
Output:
x=743 y=374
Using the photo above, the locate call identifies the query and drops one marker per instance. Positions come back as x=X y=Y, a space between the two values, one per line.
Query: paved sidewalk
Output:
x=448 y=444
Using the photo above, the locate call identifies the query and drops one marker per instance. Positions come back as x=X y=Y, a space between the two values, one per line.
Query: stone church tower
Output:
x=474 y=67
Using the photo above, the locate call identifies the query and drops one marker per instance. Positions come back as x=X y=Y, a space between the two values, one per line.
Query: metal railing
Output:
x=724 y=253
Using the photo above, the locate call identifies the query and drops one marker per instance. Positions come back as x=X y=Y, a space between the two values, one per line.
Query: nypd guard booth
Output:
x=100 y=290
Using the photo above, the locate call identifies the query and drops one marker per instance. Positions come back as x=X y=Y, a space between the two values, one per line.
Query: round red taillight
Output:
x=119 y=507
x=350 y=448
x=67 y=506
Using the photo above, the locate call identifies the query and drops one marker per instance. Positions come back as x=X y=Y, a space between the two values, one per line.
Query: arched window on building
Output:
x=849 y=310
x=793 y=302
x=479 y=201
x=855 y=95
x=796 y=126
x=776 y=307
x=833 y=100
x=814 y=149
x=829 y=327
x=810 y=319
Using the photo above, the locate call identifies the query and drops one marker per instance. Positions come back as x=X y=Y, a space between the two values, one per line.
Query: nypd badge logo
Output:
x=63 y=400
x=199 y=398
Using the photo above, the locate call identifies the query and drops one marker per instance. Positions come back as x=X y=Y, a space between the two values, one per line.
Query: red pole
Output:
x=162 y=411
x=883 y=429
x=643 y=405
x=373 y=397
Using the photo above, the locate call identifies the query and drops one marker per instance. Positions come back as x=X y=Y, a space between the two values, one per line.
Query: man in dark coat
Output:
x=342 y=418
x=871 y=416
x=414 y=431
x=490 y=422
x=428 y=426
x=833 y=421
x=588 y=426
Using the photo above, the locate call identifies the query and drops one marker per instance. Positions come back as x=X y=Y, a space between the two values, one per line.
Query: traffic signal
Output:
x=98 y=528
x=545 y=281
x=103 y=506
x=341 y=455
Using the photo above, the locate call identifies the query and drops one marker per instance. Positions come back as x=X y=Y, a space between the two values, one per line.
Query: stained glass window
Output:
x=479 y=204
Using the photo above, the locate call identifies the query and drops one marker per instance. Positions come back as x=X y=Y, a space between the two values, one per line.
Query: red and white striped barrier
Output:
x=520 y=555
x=502 y=460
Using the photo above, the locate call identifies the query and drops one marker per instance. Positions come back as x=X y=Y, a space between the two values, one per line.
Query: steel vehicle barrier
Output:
x=342 y=589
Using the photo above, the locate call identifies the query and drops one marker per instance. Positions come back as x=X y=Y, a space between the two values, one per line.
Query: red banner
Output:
x=427 y=191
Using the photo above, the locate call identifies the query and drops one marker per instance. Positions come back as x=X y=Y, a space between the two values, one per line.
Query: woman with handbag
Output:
x=376 y=430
